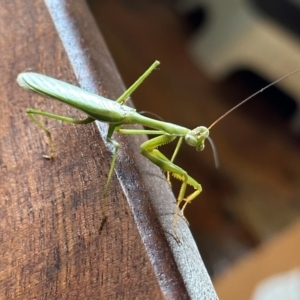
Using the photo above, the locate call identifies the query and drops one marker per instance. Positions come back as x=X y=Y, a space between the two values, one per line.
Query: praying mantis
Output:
x=116 y=114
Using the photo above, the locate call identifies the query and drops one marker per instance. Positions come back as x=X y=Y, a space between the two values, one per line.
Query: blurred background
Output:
x=213 y=55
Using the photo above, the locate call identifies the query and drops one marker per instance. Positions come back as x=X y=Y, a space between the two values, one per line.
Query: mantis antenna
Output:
x=250 y=97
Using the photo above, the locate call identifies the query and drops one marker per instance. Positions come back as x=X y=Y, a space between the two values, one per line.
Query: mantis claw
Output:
x=52 y=152
x=184 y=218
x=102 y=223
x=176 y=237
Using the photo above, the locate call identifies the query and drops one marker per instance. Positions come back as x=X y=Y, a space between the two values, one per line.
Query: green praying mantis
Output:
x=116 y=114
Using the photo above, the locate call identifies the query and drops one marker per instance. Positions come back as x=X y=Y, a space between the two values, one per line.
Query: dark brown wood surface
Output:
x=50 y=215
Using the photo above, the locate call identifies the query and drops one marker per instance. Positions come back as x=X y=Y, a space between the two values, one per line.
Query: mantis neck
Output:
x=168 y=128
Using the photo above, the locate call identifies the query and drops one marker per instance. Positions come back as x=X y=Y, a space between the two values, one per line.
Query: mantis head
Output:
x=197 y=136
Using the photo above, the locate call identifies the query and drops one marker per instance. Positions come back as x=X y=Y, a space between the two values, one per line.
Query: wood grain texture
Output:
x=50 y=215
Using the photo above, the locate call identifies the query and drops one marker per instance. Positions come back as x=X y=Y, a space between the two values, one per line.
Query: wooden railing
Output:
x=52 y=246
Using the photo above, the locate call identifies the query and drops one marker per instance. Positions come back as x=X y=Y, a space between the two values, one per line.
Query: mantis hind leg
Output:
x=124 y=97
x=32 y=112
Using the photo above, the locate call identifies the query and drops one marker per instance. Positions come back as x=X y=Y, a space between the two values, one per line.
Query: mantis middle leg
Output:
x=123 y=98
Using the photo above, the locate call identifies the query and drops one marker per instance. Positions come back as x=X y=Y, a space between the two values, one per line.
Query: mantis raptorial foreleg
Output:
x=174 y=156
x=148 y=149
